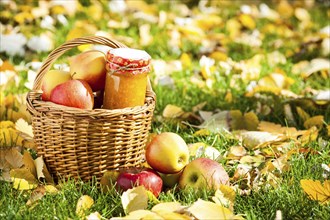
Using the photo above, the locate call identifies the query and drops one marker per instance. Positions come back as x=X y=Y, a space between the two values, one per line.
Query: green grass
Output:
x=287 y=196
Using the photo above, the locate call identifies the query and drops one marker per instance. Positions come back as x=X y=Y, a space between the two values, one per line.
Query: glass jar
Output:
x=126 y=80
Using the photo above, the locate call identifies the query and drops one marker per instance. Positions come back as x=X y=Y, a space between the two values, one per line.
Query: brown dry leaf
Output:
x=134 y=199
x=14 y=158
x=84 y=203
x=202 y=209
x=29 y=163
x=316 y=191
x=40 y=192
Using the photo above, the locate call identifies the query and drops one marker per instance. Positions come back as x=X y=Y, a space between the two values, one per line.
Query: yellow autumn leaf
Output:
x=164 y=209
x=172 y=111
x=247 y=21
x=202 y=132
x=309 y=135
x=22 y=126
x=218 y=56
x=185 y=60
x=6 y=124
x=22 y=184
x=229 y=97
x=202 y=209
x=302 y=114
x=23 y=179
x=317 y=121
x=108 y=180
x=94 y=216
x=134 y=199
x=328 y=128
x=236 y=152
x=84 y=203
x=316 y=190
x=224 y=196
x=139 y=214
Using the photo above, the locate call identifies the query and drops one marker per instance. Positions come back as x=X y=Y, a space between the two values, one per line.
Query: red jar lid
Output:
x=128 y=60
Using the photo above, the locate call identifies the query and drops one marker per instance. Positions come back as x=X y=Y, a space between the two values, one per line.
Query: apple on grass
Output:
x=73 y=93
x=167 y=153
x=89 y=66
x=170 y=180
x=146 y=177
x=51 y=79
x=203 y=172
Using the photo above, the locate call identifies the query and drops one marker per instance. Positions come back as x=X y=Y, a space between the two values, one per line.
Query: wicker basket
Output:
x=85 y=143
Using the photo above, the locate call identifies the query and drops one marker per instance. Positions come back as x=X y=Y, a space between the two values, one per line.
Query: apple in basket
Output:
x=89 y=66
x=203 y=172
x=167 y=153
x=143 y=176
x=51 y=79
x=73 y=93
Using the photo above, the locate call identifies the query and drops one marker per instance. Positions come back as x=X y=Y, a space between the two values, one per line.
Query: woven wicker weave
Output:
x=85 y=143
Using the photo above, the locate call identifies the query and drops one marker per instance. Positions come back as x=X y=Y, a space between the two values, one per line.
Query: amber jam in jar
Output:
x=126 y=80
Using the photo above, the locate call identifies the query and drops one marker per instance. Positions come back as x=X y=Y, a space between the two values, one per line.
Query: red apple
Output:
x=146 y=177
x=89 y=66
x=167 y=153
x=73 y=93
x=203 y=172
x=51 y=79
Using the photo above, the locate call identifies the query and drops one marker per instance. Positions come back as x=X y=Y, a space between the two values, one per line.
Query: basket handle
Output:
x=52 y=57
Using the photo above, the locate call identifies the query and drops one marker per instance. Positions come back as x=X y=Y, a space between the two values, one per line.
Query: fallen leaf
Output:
x=317 y=191
x=316 y=121
x=248 y=121
x=202 y=209
x=108 y=180
x=134 y=199
x=42 y=171
x=29 y=163
x=84 y=203
x=139 y=214
x=167 y=207
x=247 y=21
x=172 y=111
x=22 y=126
x=253 y=139
x=23 y=179
x=14 y=158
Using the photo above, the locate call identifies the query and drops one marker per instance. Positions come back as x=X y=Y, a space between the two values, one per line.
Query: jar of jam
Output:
x=126 y=80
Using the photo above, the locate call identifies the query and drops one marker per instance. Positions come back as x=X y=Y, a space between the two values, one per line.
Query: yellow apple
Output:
x=167 y=153
x=90 y=67
x=51 y=79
